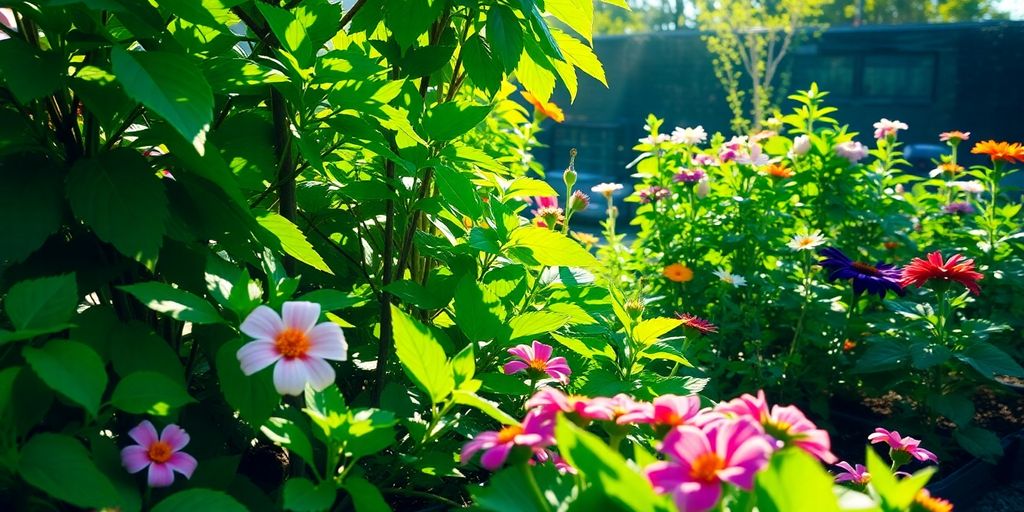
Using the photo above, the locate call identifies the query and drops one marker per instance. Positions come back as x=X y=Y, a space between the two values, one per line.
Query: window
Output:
x=905 y=77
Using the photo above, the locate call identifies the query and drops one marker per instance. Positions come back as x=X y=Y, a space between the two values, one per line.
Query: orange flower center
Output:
x=292 y=343
x=706 y=466
x=160 y=452
x=509 y=433
x=864 y=268
x=538 y=364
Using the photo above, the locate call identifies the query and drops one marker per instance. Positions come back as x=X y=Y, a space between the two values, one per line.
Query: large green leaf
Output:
x=149 y=393
x=174 y=302
x=303 y=495
x=366 y=497
x=60 y=466
x=71 y=369
x=30 y=73
x=254 y=397
x=30 y=206
x=290 y=32
x=990 y=361
x=577 y=14
x=480 y=66
x=199 y=500
x=459 y=191
x=119 y=196
x=170 y=85
x=505 y=35
x=580 y=55
x=534 y=323
x=448 y=121
x=541 y=246
x=648 y=331
x=775 y=487
x=480 y=313
x=292 y=241
x=980 y=442
x=42 y=303
x=485 y=406
x=407 y=19
x=422 y=356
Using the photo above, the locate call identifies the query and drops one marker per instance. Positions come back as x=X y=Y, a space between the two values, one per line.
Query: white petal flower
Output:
x=806 y=242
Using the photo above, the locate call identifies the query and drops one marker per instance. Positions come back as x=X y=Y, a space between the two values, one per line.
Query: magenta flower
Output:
x=296 y=343
x=160 y=453
x=902 y=447
x=885 y=128
x=612 y=409
x=958 y=208
x=689 y=176
x=856 y=475
x=536 y=432
x=550 y=401
x=670 y=410
x=700 y=461
x=786 y=424
x=702 y=159
x=537 y=360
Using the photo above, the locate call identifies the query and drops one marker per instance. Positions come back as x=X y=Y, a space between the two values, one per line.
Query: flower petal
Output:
x=300 y=315
x=263 y=324
x=320 y=372
x=144 y=434
x=541 y=351
x=493 y=459
x=696 y=497
x=134 y=458
x=290 y=376
x=665 y=476
x=183 y=463
x=514 y=366
x=160 y=475
x=257 y=355
x=175 y=436
x=327 y=341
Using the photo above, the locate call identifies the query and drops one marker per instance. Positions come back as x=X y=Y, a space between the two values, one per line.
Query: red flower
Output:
x=921 y=271
x=697 y=323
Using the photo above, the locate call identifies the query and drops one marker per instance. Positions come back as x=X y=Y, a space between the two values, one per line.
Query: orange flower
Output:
x=891 y=245
x=849 y=345
x=678 y=272
x=1000 y=151
x=778 y=171
x=548 y=109
x=925 y=502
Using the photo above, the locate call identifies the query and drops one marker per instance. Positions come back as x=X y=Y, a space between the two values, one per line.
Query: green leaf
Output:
x=775 y=487
x=533 y=323
x=577 y=14
x=958 y=408
x=365 y=496
x=527 y=187
x=407 y=19
x=422 y=357
x=990 y=361
x=149 y=393
x=540 y=246
x=924 y=355
x=119 y=196
x=604 y=468
x=30 y=206
x=292 y=241
x=664 y=351
x=170 y=85
x=199 y=500
x=458 y=191
x=30 y=73
x=71 y=369
x=980 y=442
x=505 y=35
x=333 y=300
x=509 y=490
x=485 y=406
x=288 y=434
x=882 y=355
x=463 y=366
x=895 y=494
x=536 y=74
x=580 y=55
x=60 y=466
x=290 y=32
x=239 y=76
x=648 y=331
x=448 y=121
x=302 y=495
x=480 y=65
x=42 y=303
x=479 y=313
x=174 y=302
x=254 y=397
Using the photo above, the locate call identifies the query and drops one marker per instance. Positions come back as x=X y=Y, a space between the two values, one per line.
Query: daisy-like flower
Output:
x=654 y=140
x=653 y=194
x=801 y=145
x=550 y=215
x=954 y=137
x=885 y=128
x=700 y=461
x=970 y=187
x=689 y=176
x=947 y=169
x=578 y=202
x=691 y=136
x=697 y=323
x=1000 y=151
x=925 y=502
x=612 y=409
x=856 y=475
x=160 y=453
x=295 y=344
x=678 y=272
x=586 y=239
x=753 y=155
x=665 y=410
x=853 y=151
x=787 y=425
x=901 y=449
x=703 y=160
x=806 y=241
x=550 y=401
x=958 y=208
x=535 y=433
x=537 y=360
x=728 y=278
x=875 y=279
x=778 y=171
x=606 y=189
x=956 y=268
x=547 y=109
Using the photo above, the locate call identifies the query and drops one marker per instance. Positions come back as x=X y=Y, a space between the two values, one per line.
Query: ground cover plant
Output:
x=285 y=255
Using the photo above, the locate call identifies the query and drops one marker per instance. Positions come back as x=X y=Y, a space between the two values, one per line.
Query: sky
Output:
x=1015 y=8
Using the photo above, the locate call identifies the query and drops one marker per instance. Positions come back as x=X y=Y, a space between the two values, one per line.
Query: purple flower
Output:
x=687 y=176
x=856 y=475
x=160 y=453
x=537 y=360
x=874 y=279
x=653 y=194
x=902 y=447
x=958 y=208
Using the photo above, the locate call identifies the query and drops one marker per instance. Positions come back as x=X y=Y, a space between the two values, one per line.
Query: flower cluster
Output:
x=901 y=451
x=883 y=277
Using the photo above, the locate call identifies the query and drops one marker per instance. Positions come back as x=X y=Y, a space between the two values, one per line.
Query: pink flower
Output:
x=560 y=464
x=160 y=453
x=612 y=409
x=537 y=359
x=687 y=176
x=885 y=128
x=701 y=460
x=671 y=410
x=908 y=446
x=296 y=343
x=955 y=136
x=550 y=401
x=535 y=433
x=7 y=19
x=705 y=160
x=786 y=424
x=852 y=150
x=857 y=475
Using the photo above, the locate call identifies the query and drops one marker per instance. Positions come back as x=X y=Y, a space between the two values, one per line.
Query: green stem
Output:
x=535 y=492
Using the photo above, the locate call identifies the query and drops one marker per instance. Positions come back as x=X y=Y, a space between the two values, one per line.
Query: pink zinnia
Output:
x=856 y=475
x=670 y=410
x=701 y=460
x=535 y=433
x=906 y=445
x=786 y=424
x=160 y=453
x=853 y=151
x=296 y=343
x=885 y=128
x=537 y=360
x=612 y=409
x=550 y=401
x=955 y=136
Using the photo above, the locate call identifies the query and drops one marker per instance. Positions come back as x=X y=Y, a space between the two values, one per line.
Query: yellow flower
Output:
x=678 y=272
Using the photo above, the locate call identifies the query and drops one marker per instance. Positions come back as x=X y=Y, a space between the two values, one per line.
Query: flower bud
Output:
x=634 y=308
x=703 y=188
x=578 y=202
x=569 y=177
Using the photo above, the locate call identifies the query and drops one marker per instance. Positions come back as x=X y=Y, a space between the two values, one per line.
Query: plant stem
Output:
x=535 y=493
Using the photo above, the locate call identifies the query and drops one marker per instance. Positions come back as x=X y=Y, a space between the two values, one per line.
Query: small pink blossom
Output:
x=852 y=150
x=550 y=401
x=786 y=424
x=535 y=433
x=689 y=176
x=669 y=410
x=700 y=461
x=160 y=453
x=857 y=475
x=704 y=160
x=295 y=344
x=885 y=128
x=537 y=360
x=955 y=136
x=906 y=445
x=801 y=145
x=611 y=409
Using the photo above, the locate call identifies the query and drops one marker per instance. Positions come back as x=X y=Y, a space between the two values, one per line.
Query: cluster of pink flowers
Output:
x=901 y=451
x=885 y=129
x=743 y=150
x=853 y=151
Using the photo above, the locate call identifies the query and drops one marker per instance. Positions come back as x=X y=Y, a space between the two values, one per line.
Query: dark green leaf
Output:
x=42 y=303
x=505 y=35
x=30 y=73
x=422 y=356
x=448 y=121
x=302 y=495
x=480 y=66
x=980 y=442
x=254 y=397
x=174 y=302
x=199 y=500
x=60 y=466
x=30 y=206
x=71 y=369
x=990 y=361
x=149 y=393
